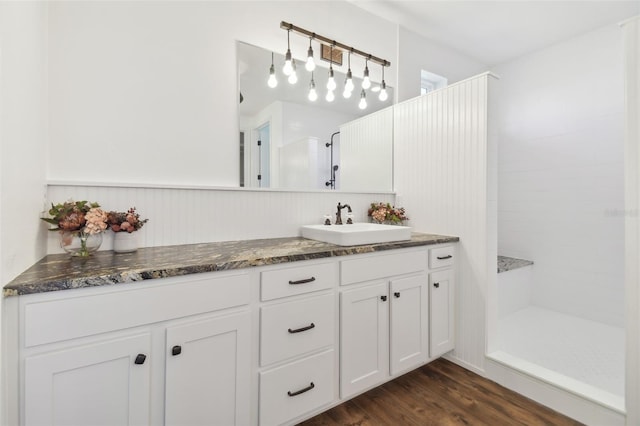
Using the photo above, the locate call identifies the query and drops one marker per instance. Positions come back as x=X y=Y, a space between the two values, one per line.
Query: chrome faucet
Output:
x=339 y=212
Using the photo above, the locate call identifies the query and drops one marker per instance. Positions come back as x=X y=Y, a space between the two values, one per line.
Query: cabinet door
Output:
x=207 y=372
x=408 y=323
x=364 y=338
x=441 y=309
x=106 y=383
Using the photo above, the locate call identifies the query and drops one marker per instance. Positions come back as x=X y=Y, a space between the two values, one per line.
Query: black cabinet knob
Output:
x=396 y=294
x=383 y=298
x=436 y=285
x=176 y=350
x=140 y=359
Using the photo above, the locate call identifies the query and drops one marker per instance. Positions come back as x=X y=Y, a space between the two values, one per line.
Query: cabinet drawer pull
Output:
x=176 y=350
x=298 y=330
x=140 y=359
x=383 y=298
x=396 y=294
x=436 y=285
x=444 y=257
x=298 y=392
x=305 y=281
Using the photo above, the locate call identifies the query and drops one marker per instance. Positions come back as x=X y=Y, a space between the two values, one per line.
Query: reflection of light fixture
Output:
x=348 y=83
x=310 y=65
x=331 y=83
x=273 y=81
x=346 y=93
x=383 y=91
x=363 y=100
x=287 y=68
x=313 y=95
x=366 y=82
x=330 y=96
x=293 y=76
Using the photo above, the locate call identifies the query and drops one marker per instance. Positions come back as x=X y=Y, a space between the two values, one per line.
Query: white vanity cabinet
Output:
x=384 y=320
x=441 y=300
x=105 y=382
x=298 y=318
x=170 y=351
x=261 y=346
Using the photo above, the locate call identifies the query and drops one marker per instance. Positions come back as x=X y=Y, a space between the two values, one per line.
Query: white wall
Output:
x=148 y=90
x=561 y=164
x=631 y=34
x=23 y=134
x=416 y=53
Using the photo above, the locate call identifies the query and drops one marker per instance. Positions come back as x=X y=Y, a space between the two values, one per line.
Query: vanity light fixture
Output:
x=273 y=81
x=366 y=81
x=311 y=64
x=383 y=89
x=313 y=95
x=287 y=68
x=363 y=100
x=293 y=77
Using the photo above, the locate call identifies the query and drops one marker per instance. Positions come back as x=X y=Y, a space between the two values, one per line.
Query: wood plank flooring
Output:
x=440 y=393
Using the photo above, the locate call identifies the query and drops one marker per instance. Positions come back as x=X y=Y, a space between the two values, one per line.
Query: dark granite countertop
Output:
x=506 y=263
x=60 y=271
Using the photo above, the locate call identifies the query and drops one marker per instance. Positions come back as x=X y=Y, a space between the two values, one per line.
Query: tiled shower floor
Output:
x=588 y=353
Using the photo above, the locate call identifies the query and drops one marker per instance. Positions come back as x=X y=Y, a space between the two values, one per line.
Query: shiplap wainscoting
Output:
x=192 y=215
x=442 y=175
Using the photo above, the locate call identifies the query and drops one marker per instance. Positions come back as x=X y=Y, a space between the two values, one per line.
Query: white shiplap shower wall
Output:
x=443 y=176
x=196 y=215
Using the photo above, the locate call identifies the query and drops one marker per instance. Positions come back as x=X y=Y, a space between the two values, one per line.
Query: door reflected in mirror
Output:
x=286 y=138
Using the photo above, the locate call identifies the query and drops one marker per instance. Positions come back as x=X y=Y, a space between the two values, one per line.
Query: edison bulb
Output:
x=330 y=96
x=313 y=95
x=383 y=96
x=273 y=81
x=362 y=104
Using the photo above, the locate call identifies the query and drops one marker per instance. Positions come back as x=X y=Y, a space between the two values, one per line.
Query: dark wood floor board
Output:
x=440 y=394
x=468 y=395
x=521 y=409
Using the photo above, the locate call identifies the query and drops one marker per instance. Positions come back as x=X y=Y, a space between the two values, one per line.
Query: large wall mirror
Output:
x=289 y=141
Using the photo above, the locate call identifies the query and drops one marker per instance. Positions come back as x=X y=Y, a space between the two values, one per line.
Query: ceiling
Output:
x=494 y=32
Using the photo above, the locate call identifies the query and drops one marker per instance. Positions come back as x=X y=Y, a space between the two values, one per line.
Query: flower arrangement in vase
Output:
x=124 y=225
x=80 y=224
x=386 y=213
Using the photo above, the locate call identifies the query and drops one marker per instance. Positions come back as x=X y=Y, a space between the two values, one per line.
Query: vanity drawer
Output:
x=297 y=280
x=85 y=312
x=295 y=389
x=441 y=256
x=295 y=328
x=381 y=266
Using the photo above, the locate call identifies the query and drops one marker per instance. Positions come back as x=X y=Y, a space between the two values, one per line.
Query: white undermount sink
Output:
x=357 y=233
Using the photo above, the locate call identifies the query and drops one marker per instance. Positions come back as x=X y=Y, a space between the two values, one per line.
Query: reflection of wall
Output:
x=304 y=164
x=301 y=121
x=366 y=152
x=291 y=123
x=271 y=114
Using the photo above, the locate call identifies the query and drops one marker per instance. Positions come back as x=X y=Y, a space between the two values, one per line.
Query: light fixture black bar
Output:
x=290 y=27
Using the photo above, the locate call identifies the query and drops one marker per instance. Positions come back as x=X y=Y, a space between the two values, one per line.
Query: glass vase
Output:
x=80 y=244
